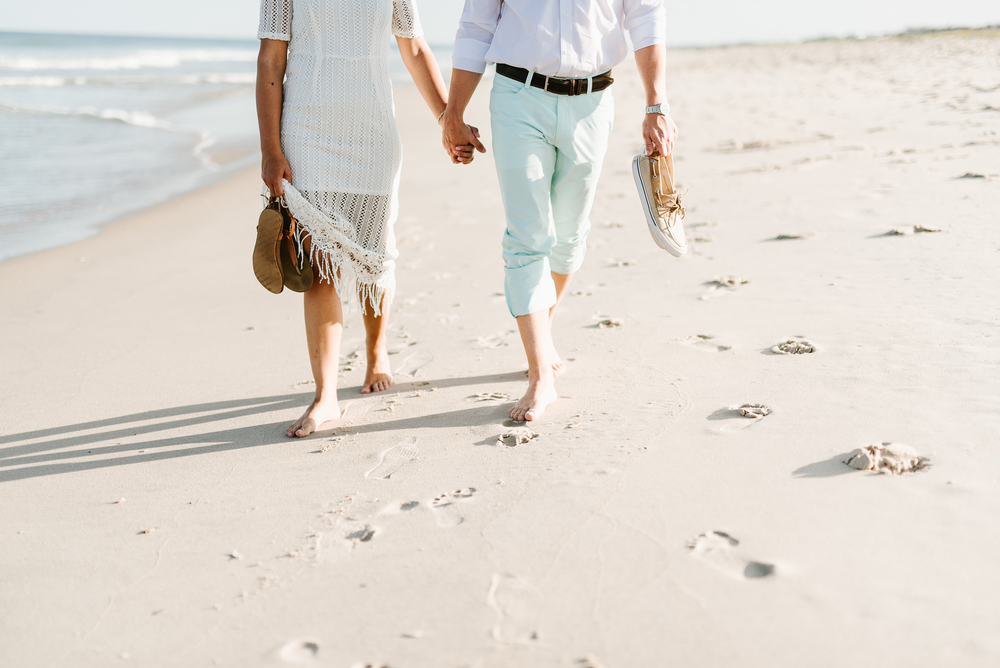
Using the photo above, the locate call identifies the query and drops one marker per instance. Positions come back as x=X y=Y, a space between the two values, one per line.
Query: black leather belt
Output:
x=554 y=85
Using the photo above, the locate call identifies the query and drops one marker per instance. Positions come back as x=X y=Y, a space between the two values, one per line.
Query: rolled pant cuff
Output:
x=570 y=266
x=529 y=288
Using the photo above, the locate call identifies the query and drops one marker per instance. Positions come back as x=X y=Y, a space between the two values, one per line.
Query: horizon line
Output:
x=856 y=36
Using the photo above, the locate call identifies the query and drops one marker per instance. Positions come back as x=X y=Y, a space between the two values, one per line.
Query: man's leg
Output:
x=582 y=140
x=561 y=282
x=534 y=329
x=522 y=123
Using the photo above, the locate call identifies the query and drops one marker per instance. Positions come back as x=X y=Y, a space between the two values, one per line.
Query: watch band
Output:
x=659 y=109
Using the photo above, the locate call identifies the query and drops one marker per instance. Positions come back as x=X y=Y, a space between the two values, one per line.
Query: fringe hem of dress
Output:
x=358 y=274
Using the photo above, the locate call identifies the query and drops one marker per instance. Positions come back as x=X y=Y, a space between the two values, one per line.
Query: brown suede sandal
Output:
x=266 y=252
x=297 y=277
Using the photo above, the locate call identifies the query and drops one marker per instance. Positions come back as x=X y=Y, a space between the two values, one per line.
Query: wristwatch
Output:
x=659 y=109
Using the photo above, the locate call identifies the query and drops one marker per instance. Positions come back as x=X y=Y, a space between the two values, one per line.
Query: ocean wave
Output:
x=186 y=79
x=163 y=59
x=142 y=119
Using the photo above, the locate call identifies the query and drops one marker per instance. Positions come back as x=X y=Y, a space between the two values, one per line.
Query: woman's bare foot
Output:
x=378 y=377
x=314 y=417
x=541 y=392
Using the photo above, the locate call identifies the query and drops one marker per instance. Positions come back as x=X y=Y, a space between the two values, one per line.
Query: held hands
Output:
x=273 y=168
x=460 y=140
x=659 y=133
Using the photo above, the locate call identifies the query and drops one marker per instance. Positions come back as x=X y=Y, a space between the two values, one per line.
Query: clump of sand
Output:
x=516 y=436
x=794 y=347
x=755 y=411
x=888 y=458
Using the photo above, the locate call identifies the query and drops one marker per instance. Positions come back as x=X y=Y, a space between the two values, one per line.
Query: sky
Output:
x=692 y=22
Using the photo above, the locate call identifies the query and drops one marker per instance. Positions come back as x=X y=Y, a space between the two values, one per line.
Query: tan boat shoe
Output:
x=654 y=179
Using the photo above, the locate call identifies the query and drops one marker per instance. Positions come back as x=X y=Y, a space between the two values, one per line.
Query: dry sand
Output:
x=154 y=514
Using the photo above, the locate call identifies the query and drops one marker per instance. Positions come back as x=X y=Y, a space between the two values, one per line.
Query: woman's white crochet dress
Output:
x=339 y=134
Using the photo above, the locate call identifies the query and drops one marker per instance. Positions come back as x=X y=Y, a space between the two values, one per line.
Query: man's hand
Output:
x=659 y=134
x=460 y=140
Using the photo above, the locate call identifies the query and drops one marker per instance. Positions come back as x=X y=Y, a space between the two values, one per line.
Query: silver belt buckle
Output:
x=548 y=78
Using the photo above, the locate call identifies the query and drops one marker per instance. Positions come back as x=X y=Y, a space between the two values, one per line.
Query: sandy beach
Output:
x=842 y=193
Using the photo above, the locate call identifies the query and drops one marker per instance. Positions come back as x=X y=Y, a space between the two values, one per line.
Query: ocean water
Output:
x=93 y=127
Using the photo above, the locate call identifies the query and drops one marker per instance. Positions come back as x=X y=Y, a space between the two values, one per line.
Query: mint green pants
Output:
x=548 y=150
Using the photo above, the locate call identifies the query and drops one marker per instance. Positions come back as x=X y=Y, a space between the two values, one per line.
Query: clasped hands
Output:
x=460 y=140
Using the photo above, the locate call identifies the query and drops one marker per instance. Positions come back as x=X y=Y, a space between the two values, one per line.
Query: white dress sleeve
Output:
x=405 y=22
x=275 y=20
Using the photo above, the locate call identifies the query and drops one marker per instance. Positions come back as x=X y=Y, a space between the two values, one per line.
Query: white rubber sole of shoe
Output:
x=649 y=207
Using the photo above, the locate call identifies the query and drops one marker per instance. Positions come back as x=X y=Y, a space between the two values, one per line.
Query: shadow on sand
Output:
x=826 y=468
x=91 y=445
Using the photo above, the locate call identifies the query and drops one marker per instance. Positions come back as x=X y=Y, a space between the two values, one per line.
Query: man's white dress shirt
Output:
x=559 y=38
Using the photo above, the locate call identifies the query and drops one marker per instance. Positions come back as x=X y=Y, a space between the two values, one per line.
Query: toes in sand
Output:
x=378 y=377
x=540 y=394
x=315 y=417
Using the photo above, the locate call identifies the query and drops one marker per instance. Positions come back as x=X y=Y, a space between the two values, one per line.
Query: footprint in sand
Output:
x=888 y=458
x=412 y=365
x=730 y=282
x=498 y=340
x=720 y=550
x=589 y=662
x=516 y=436
x=909 y=231
x=735 y=417
x=703 y=342
x=515 y=601
x=393 y=459
x=444 y=506
x=491 y=396
x=753 y=411
x=302 y=652
x=723 y=285
x=351 y=362
x=362 y=534
x=797 y=346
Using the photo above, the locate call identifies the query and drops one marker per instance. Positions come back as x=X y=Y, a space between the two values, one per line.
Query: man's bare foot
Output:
x=314 y=417
x=541 y=392
x=378 y=377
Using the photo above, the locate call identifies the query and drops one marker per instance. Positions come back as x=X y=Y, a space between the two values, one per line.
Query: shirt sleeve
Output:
x=646 y=22
x=275 y=20
x=405 y=22
x=475 y=34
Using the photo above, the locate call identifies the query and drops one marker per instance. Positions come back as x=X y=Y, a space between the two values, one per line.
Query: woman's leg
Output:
x=378 y=377
x=324 y=328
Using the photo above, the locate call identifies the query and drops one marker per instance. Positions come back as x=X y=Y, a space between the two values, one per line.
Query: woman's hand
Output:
x=273 y=168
